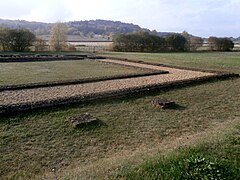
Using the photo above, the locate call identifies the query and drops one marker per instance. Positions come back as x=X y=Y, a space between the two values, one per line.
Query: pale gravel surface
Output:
x=46 y=93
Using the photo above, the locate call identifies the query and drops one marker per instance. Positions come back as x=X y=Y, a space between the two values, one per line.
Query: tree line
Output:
x=220 y=44
x=175 y=42
x=22 y=39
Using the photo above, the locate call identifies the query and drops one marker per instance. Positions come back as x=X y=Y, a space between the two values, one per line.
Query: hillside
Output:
x=98 y=29
x=38 y=28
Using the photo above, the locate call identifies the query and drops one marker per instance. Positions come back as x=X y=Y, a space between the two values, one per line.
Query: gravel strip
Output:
x=51 y=93
x=152 y=66
x=77 y=81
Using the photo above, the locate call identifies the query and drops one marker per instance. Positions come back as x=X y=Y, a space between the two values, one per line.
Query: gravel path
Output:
x=50 y=93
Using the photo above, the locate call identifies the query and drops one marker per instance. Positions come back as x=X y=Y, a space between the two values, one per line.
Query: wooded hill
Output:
x=90 y=29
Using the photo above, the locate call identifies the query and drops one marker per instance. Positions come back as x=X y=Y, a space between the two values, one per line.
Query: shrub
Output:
x=16 y=39
x=220 y=44
x=195 y=43
x=138 y=42
x=176 y=42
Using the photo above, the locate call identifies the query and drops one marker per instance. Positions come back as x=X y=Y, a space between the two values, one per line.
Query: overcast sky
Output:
x=199 y=17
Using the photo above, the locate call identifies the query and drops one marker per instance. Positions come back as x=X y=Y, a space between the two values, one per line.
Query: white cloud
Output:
x=48 y=11
x=12 y=9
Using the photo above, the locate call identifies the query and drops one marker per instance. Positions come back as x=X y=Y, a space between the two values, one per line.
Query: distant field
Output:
x=236 y=47
x=221 y=61
x=32 y=72
x=77 y=38
x=91 y=44
x=99 y=44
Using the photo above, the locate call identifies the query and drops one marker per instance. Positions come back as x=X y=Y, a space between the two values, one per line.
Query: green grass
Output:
x=217 y=159
x=32 y=72
x=220 y=61
x=32 y=143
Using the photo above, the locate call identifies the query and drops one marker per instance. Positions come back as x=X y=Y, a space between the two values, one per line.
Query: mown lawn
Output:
x=33 y=72
x=33 y=143
x=220 y=61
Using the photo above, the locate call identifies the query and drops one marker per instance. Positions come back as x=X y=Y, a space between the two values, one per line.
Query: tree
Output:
x=213 y=43
x=40 y=44
x=226 y=44
x=187 y=37
x=3 y=38
x=138 y=42
x=176 y=42
x=192 y=43
x=195 y=43
x=90 y=35
x=220 y=44
x=17 y=39
x=58 y=37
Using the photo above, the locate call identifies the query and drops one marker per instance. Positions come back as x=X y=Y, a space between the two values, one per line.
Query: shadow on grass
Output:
x=177 y=107
x=91 y=125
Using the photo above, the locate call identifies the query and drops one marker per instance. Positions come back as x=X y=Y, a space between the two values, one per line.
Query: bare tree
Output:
x=58 y=39
x=195 y=43
x=40 y=44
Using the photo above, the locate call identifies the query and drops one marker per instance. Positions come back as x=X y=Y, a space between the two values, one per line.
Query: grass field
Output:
x=131 y=132
x=32 y=72
x=215 y=159
x=220 y=61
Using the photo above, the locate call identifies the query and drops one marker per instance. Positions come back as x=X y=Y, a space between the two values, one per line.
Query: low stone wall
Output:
x=38 y=59
x=10 y=109
x=44 y=57
x=96 y=57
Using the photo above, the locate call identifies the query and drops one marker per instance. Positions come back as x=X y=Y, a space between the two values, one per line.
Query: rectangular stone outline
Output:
x=10 y=109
